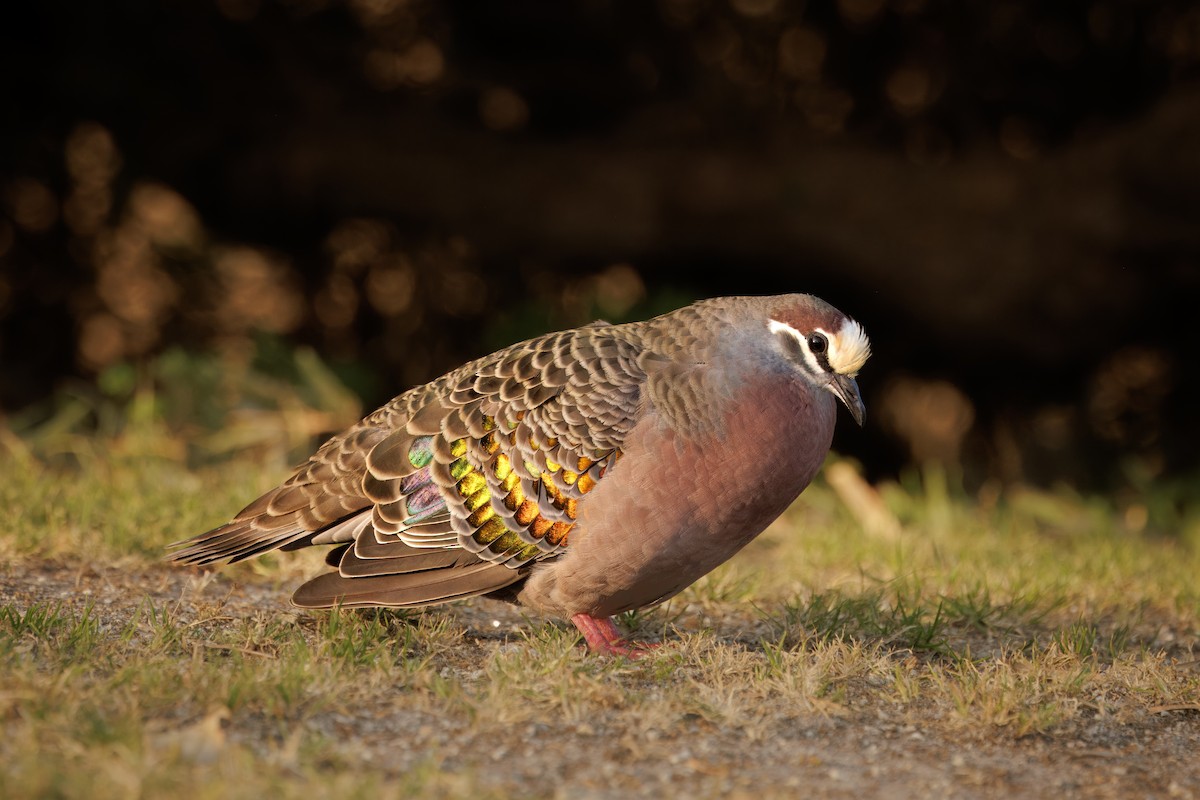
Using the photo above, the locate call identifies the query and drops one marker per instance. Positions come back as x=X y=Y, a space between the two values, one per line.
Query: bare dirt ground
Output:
x=615 y=740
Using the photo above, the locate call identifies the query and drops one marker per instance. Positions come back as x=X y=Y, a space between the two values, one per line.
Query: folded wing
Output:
x=457 y=487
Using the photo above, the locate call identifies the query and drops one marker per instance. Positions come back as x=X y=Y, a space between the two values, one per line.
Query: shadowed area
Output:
x=1004 y=195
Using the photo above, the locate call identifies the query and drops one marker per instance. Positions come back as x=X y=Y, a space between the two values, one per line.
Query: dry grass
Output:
x=1031 y=645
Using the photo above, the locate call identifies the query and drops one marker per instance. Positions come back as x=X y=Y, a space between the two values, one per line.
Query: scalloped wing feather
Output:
x=485 y=466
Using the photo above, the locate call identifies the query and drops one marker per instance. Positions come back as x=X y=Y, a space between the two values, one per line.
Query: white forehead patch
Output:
x=814 y=366
x=849 y=348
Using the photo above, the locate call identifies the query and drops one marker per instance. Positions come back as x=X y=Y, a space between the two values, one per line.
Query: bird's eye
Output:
x=817 y=343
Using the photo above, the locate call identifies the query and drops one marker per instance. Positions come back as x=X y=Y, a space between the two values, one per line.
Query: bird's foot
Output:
x=605 y=638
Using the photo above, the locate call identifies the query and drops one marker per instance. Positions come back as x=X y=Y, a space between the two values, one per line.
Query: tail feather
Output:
x=407 y=590
x=403 y=560
x=372 y=570
x=234 y=541
x=248 y=536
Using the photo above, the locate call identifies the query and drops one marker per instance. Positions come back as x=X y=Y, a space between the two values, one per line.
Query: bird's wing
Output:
x=510 y=443
x=491 y=459
x=324 y=497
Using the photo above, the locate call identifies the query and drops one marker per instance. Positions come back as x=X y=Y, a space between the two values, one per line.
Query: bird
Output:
x=580 y=474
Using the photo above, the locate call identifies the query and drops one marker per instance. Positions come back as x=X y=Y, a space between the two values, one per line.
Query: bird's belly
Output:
x=647 y=579
x=670 y=519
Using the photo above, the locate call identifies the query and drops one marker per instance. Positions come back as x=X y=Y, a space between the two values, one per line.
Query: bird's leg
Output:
x=603 y=636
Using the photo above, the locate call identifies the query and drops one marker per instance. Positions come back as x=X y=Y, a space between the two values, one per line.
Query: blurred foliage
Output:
x=135 y=131
x=194 y=408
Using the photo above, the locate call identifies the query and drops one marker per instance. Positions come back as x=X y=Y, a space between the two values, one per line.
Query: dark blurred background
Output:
x=366 y=193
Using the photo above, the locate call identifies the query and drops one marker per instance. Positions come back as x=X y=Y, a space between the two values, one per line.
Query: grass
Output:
x=990 y=644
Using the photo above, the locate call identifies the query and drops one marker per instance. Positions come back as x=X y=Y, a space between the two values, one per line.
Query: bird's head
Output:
x=825 y=345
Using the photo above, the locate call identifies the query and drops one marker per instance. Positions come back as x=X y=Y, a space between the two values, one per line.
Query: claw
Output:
x=605 y=638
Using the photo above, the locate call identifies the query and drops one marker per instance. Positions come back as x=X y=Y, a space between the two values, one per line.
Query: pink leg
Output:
x=604 y=637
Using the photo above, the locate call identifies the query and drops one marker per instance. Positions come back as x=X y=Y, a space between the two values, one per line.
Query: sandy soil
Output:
x=862 y=749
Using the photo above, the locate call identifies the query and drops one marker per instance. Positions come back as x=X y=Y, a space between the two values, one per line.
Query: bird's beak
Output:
x=846 y=388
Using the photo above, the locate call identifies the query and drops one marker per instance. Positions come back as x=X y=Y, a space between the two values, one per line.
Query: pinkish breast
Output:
x=679 y=505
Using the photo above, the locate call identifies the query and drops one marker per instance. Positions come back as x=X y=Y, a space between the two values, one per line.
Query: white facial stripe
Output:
x=849 y=348
x=775 y=326
x=814 y=366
